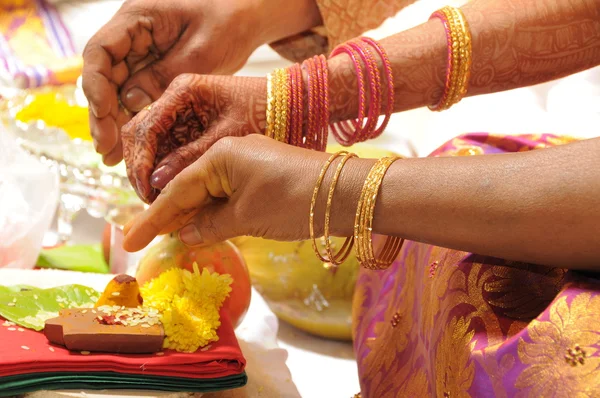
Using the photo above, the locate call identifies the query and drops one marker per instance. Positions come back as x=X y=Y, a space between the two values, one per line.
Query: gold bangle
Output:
x=280 y=88
x=460 y=57
x=270 y=107
x=284 y=90
x=363 y=224
x=338 y=258
x=344 y=252
x=466 y=55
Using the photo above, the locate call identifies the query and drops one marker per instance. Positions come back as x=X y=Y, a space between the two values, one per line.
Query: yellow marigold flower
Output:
x=160 y=292
x=189 y=305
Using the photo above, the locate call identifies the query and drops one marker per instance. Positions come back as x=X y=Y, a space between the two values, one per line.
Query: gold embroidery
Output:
x=562 y=140
x=466 y=150
x=390 y=341
x=381 y=365
x=548 y=374
x=454 y=370
x=523 y=291
x=416 y=386
x=449 y=278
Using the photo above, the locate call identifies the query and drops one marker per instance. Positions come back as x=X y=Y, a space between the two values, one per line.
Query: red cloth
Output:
x=223 y=358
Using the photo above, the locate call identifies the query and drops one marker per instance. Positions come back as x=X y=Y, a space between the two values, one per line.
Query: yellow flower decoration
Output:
x=189 y=305
x=160 y=292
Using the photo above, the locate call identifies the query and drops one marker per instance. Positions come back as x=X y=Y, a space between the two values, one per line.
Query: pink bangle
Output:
x=296 y=105
x=341 y=130
x=374 y=87
x=310 y=83
x=387 y=66
x=360 y=53
x=322 y=72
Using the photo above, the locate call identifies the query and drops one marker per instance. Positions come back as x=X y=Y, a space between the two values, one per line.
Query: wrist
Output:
x=345 y=198
x=277 y=20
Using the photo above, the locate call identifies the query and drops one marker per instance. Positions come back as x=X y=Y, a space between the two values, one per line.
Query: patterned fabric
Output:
x=342 y=20
x=444 y=323
x=36 y=48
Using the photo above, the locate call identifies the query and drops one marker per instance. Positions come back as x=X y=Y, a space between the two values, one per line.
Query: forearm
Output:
x=541 y=207
x=516 y=43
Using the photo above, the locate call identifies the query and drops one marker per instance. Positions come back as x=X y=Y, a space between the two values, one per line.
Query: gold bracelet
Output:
x=270 y=107
x=338 y=258
x=458 y=71
x=284 y=92
x=464 y=54
x=363 y=224
x=344 y=252
x=280 y=97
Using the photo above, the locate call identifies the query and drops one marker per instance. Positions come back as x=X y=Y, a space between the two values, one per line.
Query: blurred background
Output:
x=62 y=209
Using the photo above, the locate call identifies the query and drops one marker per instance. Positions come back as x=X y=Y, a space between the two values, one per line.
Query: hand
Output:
x=252 y=186
x=147 y=44
x=194 y=113
x=137 y=54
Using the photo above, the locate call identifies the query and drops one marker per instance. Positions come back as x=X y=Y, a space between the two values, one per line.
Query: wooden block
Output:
x=105 y=330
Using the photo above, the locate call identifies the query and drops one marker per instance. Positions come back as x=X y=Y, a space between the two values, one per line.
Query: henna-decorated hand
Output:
x=194 y=112
x=137 y=54
x=251 y=186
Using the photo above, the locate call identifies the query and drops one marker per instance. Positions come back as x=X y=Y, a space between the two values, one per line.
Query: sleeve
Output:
x=342 y=21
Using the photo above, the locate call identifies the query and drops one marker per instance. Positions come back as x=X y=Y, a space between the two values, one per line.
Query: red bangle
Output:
x=360 y=53
x=374 y=89
x=387 y=66
x=341 y=130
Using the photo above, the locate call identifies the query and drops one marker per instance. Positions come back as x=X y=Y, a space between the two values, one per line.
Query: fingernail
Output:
x=94 y=109
x=190 y=236
x=137 y=99
x=161 y=177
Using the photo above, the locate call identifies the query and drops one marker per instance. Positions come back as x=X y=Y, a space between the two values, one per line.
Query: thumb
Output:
x=213 y=224
x=147 y=84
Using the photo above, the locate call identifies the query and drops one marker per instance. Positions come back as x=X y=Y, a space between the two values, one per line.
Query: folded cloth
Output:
x=28 y=362
x=36 y=48
x=21 y=384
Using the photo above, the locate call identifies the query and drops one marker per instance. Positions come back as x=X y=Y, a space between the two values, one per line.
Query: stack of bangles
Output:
x=290 y=89
x=363 y=222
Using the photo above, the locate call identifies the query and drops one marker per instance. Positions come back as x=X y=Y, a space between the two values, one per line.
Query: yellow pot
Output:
x=300 y=289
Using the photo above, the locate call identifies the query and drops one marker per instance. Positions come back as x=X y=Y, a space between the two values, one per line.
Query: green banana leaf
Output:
x=31 y=308
x=82 y=258
x=16 y=288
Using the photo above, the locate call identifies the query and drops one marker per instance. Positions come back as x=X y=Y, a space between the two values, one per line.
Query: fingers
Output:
x=168 y=128
x=178 y=160
x=140 y=142
x=186 y=195
x=103 y=72
x=147 y=83
x=115 y=156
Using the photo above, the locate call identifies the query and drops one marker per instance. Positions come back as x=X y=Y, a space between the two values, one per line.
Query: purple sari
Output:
x=444 y=323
